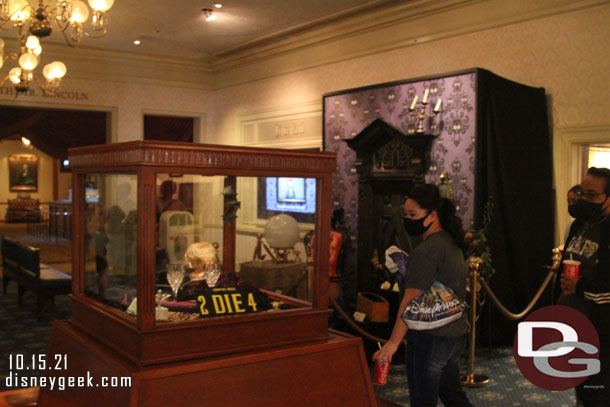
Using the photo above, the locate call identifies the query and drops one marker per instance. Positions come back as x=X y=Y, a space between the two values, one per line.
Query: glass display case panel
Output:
x=274 y=233
x=110 y=238
x=194 y=280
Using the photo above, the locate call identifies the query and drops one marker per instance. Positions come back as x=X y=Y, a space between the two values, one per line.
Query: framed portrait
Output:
x=23 y=172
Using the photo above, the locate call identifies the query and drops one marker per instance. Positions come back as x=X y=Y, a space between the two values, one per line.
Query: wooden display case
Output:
x=280 y=354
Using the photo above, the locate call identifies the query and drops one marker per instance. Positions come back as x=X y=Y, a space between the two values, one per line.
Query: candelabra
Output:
x=68 y=15
x=28 y=58
x=419 y=109
x=33 y=23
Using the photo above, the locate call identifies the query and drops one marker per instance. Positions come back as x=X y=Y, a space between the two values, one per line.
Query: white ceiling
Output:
x=176 y=28
x=256 y=39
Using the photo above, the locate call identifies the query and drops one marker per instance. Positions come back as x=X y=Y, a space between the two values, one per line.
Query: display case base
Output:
x=332 y=372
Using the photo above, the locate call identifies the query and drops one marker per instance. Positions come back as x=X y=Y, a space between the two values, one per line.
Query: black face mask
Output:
x=415 y=227
x=585 y=210
x=572 y=210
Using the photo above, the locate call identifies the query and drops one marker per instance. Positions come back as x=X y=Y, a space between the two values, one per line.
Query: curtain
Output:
x=514 y=171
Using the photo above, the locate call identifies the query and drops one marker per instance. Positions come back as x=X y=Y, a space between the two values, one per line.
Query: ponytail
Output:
x=451 y=222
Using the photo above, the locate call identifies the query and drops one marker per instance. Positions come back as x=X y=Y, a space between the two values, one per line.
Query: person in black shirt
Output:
x=589 y=242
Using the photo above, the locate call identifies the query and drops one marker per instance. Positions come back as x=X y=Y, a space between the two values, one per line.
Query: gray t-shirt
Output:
x=438 y=258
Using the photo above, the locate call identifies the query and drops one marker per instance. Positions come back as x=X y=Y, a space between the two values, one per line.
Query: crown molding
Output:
x=88 y=63
x=401 y=26
x=392 y=25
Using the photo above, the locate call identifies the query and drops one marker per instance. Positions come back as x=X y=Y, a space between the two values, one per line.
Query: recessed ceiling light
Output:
x=137 y=42
x=209 y=14
x=218 y=5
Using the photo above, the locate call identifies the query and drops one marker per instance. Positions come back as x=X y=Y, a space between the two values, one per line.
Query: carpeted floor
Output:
x=21 y=333
x=508 y=388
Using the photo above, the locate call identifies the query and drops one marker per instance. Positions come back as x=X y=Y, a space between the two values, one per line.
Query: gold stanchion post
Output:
x=471 y=379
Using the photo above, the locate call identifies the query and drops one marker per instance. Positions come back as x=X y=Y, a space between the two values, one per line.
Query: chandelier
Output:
x=33 y=23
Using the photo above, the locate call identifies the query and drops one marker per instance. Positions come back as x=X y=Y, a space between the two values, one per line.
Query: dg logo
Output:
x=557 y=348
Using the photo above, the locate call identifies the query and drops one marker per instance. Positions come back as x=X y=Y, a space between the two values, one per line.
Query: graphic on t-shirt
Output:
x=583 y=247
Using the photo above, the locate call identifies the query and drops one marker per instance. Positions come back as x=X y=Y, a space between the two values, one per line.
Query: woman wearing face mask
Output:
x=432 y=355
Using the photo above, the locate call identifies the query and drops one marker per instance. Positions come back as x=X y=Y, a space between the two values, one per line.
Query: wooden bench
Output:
x=21 y=263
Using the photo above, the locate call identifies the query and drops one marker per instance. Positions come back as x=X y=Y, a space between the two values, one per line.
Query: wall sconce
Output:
x=419 y=109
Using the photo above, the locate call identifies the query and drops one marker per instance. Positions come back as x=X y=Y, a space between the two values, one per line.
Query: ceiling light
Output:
x=33 y=23
x=218 y=5
x=137 y=42
x=26 y=141
x=209 y=14
x=69 y=15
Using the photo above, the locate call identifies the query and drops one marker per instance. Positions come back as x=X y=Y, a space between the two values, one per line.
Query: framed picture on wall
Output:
x=23 y=172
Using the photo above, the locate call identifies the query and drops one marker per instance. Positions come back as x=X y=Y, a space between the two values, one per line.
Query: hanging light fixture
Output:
x=28 y=60
x=35 y=23
x=69 y=15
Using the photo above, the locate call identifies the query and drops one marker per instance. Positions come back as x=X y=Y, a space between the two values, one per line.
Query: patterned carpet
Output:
x=508 y=388
x=21 y=333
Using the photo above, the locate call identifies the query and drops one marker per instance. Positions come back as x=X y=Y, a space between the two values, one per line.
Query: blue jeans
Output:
x=433 y=370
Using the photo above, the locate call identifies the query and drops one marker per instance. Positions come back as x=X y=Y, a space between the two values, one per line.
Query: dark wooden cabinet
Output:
x=289 y=278
x=389 y=164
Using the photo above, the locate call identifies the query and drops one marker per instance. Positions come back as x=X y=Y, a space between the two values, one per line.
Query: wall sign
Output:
x=60 y=94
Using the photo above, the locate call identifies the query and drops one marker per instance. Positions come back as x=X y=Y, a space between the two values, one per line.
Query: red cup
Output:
x=571 y=268
x=381 y=372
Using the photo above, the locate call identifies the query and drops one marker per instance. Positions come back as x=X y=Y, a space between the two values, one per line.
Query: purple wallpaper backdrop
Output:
x=346 y=114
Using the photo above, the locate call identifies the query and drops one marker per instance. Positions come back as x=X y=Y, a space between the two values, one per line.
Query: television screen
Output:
x=291 y=190
x=296 y=195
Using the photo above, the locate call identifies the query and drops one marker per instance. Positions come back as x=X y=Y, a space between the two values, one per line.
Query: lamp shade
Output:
x=80 y=12
x=32 y=42
x=1 y=44
x=101 y=5
x=19 y=10
x=28 y=62
x=15 y=75
x=46 y=72
x=54 y=70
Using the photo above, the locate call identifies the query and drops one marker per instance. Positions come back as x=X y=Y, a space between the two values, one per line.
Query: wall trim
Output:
x=306 y=112
x=568 y=162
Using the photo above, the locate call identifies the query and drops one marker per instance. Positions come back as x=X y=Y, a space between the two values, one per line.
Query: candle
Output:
x=426 y=96
x=413 y=103
x=437 y=107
